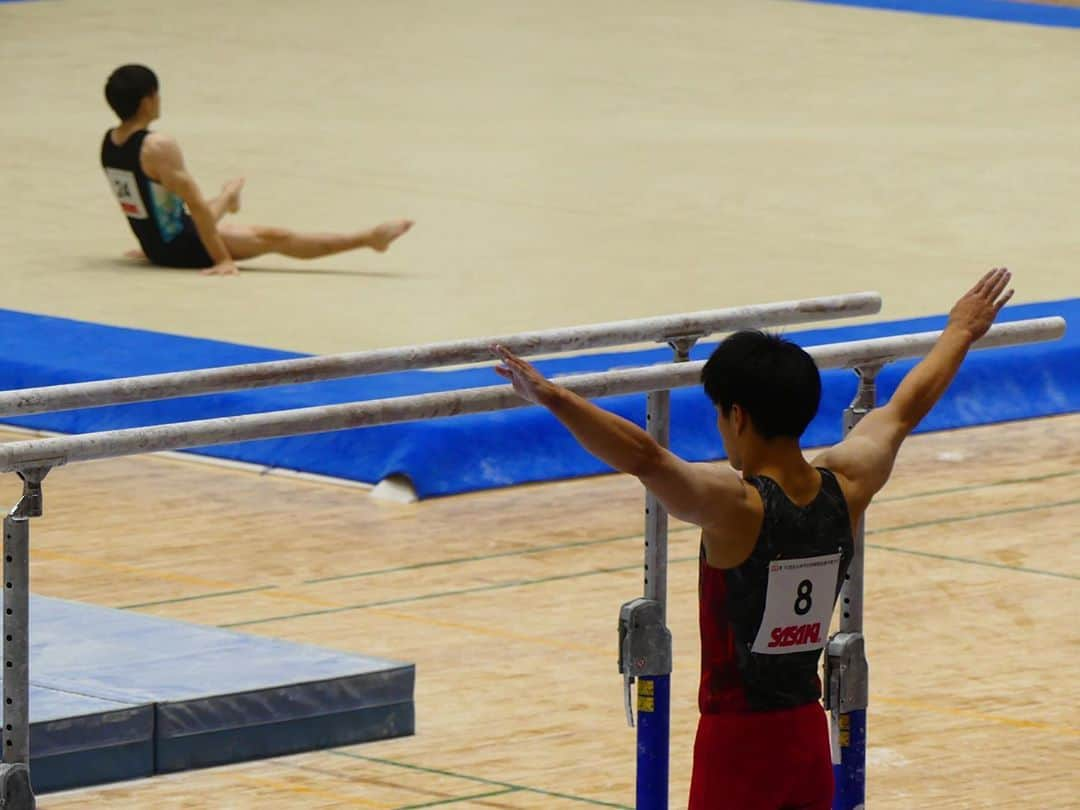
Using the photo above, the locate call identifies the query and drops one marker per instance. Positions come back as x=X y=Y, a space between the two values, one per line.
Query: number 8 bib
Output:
x=798 y=605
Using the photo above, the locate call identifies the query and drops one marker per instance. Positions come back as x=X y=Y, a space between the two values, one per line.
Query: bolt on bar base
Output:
x=847 y=674
x=16 y=792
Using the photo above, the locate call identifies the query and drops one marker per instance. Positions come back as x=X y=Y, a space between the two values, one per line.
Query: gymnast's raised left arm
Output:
x=710 y=496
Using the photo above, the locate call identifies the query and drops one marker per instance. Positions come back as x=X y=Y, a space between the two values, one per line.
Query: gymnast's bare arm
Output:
x=163 y=161
x=711 y=496
x=864 y=460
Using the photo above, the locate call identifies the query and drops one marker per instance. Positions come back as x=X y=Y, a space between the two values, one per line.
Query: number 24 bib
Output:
x=798 y=605
x=126 y=189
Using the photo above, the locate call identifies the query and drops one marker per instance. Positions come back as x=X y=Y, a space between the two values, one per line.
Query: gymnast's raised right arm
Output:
x=864 y=459
x=163 y=161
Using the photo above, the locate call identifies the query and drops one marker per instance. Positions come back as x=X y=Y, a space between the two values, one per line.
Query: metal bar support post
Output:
x=16 y=792
x=654 y=690
x=846 y=670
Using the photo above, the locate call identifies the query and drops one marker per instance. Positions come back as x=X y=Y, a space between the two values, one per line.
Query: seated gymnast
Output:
x=776 y=541
x=175 y=225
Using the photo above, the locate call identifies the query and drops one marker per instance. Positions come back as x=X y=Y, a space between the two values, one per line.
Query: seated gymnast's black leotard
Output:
x=158 y=217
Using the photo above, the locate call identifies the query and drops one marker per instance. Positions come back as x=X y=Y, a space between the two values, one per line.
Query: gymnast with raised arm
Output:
x=777 y=536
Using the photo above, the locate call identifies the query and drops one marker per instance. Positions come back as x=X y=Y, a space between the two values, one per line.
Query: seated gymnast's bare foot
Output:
x=231 y=192
x=383 y=235
x=134 y=253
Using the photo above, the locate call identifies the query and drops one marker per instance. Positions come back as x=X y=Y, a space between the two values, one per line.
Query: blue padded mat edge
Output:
x=119 y=695
x=996 y=10
x=78 y=740
x=274 y=739
x=462 y=454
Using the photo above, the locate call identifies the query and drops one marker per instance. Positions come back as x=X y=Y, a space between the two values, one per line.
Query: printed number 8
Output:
x=803 y=603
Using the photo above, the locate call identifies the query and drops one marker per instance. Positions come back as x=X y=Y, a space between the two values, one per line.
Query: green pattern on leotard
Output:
x=168 y=211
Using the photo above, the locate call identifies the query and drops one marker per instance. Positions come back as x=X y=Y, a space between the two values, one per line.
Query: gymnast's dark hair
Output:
x=772 y=379
x=127 y=87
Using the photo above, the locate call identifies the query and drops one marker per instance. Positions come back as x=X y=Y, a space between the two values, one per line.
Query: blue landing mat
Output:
x=462 y=454
x=998 y=10
x=118 y=695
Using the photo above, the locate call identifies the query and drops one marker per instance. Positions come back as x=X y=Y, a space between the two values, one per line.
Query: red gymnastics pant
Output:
x=775 y=760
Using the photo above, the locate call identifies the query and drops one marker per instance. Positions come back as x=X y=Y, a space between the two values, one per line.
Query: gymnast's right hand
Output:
x=227 y=268
x=529 y=383
x=977 y=308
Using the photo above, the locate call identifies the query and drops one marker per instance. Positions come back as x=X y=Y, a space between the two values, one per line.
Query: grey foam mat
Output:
x=208 y=696
x=78 y=740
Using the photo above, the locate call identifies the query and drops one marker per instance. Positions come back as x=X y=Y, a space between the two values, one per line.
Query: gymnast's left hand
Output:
x=529 y=383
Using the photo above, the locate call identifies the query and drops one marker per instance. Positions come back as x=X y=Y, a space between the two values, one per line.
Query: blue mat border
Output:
x=467 y=453
x=282 y=738
x=97 y=766
x=996 y=10
x=222 y=704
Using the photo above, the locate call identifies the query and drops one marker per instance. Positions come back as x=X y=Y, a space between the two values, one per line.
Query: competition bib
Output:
x=126 y=189
x=798 y=605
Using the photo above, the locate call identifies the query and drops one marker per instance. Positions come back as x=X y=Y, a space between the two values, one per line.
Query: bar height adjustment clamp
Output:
x=847 y=675
x=847 y=686
x=644 y=645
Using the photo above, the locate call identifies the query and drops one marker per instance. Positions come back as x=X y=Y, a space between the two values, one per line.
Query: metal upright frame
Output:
x=654 y=690
x=16 y=792
x=847 y=687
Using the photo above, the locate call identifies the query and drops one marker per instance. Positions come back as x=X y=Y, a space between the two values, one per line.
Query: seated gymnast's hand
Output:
x=529 y=383
x=977 y=308
x=226 y=268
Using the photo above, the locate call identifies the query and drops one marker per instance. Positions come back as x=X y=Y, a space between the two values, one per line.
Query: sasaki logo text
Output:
x=795 y=635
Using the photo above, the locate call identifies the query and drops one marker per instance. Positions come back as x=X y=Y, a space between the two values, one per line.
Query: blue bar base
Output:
x=653 y=741
x=850 y=774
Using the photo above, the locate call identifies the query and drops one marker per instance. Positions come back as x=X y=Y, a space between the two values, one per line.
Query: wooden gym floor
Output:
x=507 y=602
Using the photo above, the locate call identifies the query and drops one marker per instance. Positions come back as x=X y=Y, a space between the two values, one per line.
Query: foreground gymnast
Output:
x=175 y=225
x=776 y=541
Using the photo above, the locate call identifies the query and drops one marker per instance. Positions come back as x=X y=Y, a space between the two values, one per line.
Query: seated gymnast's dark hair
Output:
x=772 y=379
x=127 y=87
